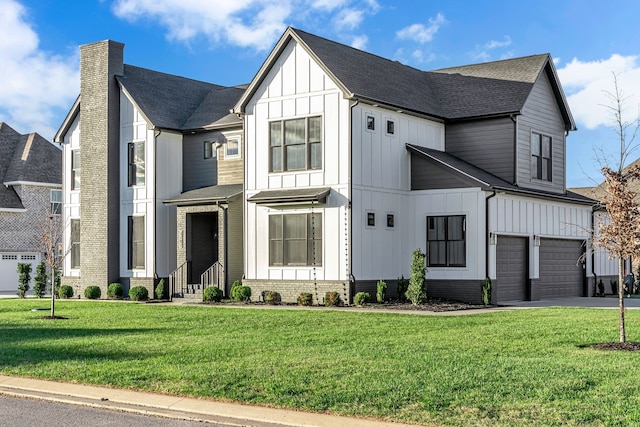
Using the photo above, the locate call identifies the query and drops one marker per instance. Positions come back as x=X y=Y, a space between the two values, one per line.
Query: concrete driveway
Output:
x=609 y=301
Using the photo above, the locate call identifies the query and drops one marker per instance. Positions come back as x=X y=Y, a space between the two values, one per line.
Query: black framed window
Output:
x=371 y=123
x=371 y=219
x=136 y=163
x=295 y=144
x=446 y=241
x=541 y=163
x=295 y=240
x=391 y=127
x=136 y=242
x=390 y=220
x=74 y=241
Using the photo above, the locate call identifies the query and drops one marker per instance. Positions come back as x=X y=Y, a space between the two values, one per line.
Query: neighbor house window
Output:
x=56 y=202
x=295 y=144
x=541 y=166
x=371 y=123
x=136 y=163
x=75 y=243
x=446 y=246
x=391 y=127
x=136 y=242
x=208 y=150
x=295 y=240
x=75 y=169
x=232 y=148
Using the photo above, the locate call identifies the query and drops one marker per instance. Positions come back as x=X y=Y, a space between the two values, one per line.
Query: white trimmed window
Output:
x=75 y=243
x=232 y=148
x=56 y=202
x=295 y=240
x=136 y=163
x=75 y=169
x=136 y=242
x=295 y=144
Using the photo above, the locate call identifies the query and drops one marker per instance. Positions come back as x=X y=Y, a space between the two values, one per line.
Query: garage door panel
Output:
x=9 y=270
x=561 y=275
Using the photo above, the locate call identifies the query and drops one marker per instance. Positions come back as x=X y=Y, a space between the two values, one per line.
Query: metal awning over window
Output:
x=207 y=195
x=294 y=195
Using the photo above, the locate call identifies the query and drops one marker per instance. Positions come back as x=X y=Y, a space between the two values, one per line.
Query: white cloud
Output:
x=483 y=51
x=421 y=33
x=493 y=44
x=586 y=84
x=359 y=42
x=37 y=86
x=328 y=4
x=349 y=19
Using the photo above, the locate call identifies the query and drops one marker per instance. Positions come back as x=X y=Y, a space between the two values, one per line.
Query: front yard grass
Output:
x=510 y=368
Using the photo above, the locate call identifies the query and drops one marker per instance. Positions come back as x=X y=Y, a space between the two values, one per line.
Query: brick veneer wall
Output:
x=99 y=156
x=290 y=290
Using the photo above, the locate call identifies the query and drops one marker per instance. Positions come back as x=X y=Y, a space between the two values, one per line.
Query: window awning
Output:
x=293 y=195
x=207 y=195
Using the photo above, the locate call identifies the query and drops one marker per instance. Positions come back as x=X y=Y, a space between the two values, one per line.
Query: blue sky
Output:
x=226 y=41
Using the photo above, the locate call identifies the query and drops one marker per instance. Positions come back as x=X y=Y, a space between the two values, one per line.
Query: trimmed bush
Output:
x=160 y=294
x=271 y=297
x=305 y=299
x=235 y=284
x=92 y=292
x=361 y=297
x=115 y=291
x=138 y=293
x=241 y=293
x=416 y=291
x=402 y=287
x=65 y=292
x=212 y=294
x=332 y=299
x=486 y=291
x=40 y=280
x=381 y=291
x=24 y=276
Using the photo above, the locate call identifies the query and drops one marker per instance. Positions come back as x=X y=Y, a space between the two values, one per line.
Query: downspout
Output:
x=593 y=253
x=350 y=277
x=155 y=199
x=515 y=148
x=488 y=233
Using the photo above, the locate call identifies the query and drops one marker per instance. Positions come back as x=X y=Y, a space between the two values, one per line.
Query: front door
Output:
x=202 y=243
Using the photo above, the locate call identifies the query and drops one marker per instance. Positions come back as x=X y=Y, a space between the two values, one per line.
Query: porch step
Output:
x=190 y=292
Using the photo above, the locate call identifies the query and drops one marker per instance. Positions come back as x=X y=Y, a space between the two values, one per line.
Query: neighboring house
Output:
x=352 y=161
x=153 y=173
x=30 y=194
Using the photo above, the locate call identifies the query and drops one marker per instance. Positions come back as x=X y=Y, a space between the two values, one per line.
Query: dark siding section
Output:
x=430 y=175
x=487 y=144
x=455 y=290
x=198 y=172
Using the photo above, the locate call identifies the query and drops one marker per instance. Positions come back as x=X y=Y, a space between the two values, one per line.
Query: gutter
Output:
x=156 y=134
x=486 y=227
x=350 y=277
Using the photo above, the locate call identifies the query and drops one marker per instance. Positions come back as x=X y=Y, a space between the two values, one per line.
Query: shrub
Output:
x=65 y=291
x=305 y=298
x=601 y=287
x=160 y=294
x=212 y=294
x=24 y=276
x=235 y=284
x=40 y=280
x=486 y=291
x=416 y=290
x=115 y=291
x=332 y=299
x=361 y=297
x=271 y=297
x=138 y=293
x=92 y=292
x=402 y=287
x=613 y=283
x=381 y=291
x=241 y=293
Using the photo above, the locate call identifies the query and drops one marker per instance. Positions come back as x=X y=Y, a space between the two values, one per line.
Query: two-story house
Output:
x=30 y=196
x=352 y=161
x=153 y=172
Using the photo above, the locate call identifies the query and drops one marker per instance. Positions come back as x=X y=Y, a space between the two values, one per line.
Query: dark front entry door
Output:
x=202 y=242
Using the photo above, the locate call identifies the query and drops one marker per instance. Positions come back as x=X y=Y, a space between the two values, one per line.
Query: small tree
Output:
x=49 y=243
x=24 y=276
x=40 y=280
x=416 y=291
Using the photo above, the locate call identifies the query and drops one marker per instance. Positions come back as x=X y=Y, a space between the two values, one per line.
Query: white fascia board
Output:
x=34 y=184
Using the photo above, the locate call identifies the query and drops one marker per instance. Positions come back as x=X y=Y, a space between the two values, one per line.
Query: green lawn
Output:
x=522 y=367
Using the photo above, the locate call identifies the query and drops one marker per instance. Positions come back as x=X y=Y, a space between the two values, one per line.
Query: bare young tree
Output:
x=620 y=235
x=49 y=244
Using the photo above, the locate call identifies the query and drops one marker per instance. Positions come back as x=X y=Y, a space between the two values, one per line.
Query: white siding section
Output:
x=70 y=199
x=604 y=265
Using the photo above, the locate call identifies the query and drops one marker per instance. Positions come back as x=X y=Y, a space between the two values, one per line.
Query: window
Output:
x=75 y=169
x=136 y=242
x=75 y=243
x=28 y=257
x=371 y=123
x=136 y=163
x=541 y=167
x=446 y=245
x=391 y=127
x=295 y=144
x=390 y=220
x=232 y=148
x=56 y=202
x=295 y=239
x=371 y=219
x=208 y=150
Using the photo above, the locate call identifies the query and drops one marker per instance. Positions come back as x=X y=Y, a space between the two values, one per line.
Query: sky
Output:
x=226 y=41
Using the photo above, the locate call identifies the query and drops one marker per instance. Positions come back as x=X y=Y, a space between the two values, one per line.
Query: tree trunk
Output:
x=623 y=337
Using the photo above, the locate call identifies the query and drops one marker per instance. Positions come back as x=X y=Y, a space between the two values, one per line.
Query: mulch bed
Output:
x=432 y=304
x=624 y=346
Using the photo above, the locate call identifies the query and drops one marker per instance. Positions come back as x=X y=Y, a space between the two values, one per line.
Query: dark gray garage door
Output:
x=559 y=274
x=511 y=268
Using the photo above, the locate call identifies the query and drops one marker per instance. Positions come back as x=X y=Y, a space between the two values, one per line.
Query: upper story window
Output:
x=136 y=163
x=371 y=123
x=295 y=240
x=56 y=202
x=209 y=150
x=541 y=166
x=295 y=144
x=446 y=241
x=75 y=169
x=391 y=127
x=232 y=148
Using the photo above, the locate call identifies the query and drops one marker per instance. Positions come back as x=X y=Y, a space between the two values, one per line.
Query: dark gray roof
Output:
x=26 y=158
x=488 y=181
x=178 y=103
x=212 y=194
x=291 y=195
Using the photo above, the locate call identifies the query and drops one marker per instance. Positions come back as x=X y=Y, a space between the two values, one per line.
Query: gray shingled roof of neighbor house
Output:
x=26 y=158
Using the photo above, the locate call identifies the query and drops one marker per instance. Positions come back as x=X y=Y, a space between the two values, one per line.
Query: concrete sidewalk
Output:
x=175 y=407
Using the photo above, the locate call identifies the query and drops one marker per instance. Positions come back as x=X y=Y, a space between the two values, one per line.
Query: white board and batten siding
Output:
x=297 y=87
x=604 y=264
x=536 y=218
x=163 y=179
x=71 y=199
